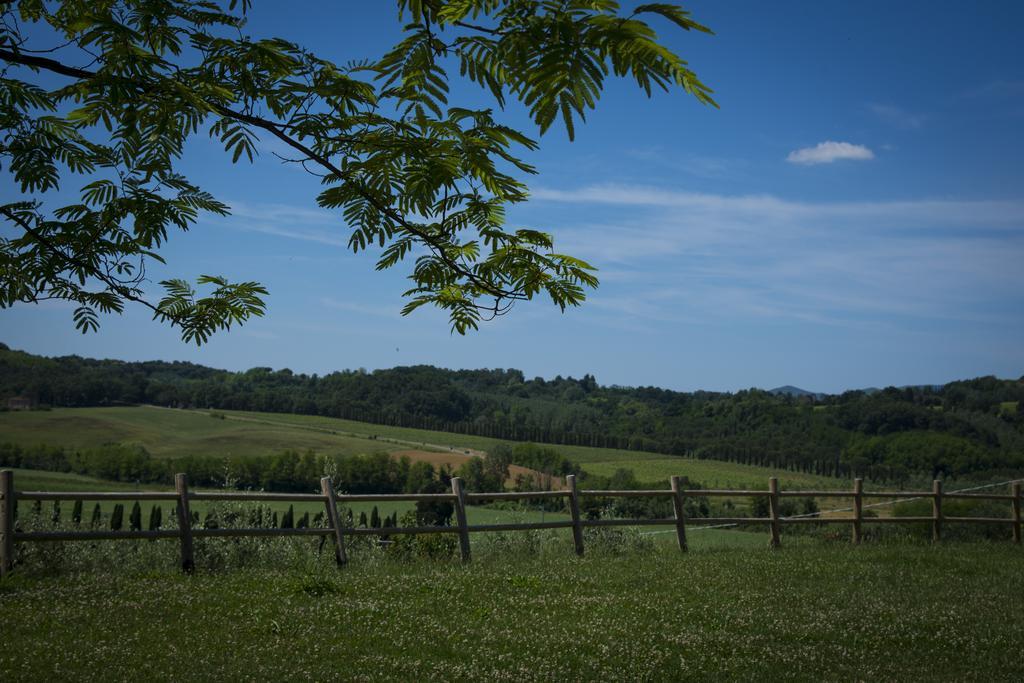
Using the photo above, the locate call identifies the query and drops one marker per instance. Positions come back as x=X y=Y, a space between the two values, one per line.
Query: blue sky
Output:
x=852 y=216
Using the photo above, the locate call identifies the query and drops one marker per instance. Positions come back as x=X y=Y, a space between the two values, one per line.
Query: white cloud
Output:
x=390 y=311
x=828 y=152
x=768 y=210
x=869 y=264
x=897 y=116
x=301 y=223
x=998 y=89
x=302 y=235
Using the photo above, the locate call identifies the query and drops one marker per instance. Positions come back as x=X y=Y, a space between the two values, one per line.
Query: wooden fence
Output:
x=185 y=533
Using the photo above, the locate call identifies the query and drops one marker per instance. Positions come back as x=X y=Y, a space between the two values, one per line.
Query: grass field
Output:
x=809 y=612
x=714 y=473
x=173 y=433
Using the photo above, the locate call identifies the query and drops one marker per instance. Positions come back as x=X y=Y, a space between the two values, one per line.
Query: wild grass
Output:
x=529 y=610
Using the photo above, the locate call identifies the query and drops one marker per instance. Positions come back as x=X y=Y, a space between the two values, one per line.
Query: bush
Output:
x=408 y=546
x=957 y=508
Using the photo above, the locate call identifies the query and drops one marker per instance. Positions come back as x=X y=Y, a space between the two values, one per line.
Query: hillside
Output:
x=233 y=436
x=956 y=430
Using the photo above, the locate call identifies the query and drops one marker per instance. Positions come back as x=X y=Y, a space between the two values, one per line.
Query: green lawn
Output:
x=715 y=474
x=809 y=612
x=39 y=480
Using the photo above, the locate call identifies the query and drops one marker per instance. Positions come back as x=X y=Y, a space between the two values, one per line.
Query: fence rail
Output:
x=185 y=533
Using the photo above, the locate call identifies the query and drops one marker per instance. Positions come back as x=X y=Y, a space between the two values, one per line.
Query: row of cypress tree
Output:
x=257 y=518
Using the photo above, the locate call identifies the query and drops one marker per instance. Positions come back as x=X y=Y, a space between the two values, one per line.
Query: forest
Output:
x=954 y=430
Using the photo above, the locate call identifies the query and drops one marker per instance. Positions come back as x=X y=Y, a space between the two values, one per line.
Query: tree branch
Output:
x=17 y=57
x=112 y=283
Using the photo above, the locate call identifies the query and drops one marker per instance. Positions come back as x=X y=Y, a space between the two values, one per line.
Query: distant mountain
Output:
x=790 y=390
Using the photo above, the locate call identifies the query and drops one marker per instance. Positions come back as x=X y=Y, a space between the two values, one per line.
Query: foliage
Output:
x=411 y=174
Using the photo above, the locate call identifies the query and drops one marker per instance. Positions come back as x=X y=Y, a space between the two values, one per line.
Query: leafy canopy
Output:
x=425 y=181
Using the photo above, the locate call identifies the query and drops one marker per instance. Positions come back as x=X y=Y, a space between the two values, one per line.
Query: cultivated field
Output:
x=809 y=612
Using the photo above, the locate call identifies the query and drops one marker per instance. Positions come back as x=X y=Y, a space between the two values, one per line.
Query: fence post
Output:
x=574 y=510
x=327 y=487
x=773 y=511
x=188 y=564
x=858 y=508
x=460 y=517
x=677 y=503
x=1016 y=512
x=936 y=511
x=8 y=506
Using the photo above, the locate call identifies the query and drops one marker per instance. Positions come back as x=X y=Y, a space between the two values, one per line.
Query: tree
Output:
x=117 y=517
x=135 y=517
x=156 y=518
x=424 y=180
x=479 y=477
